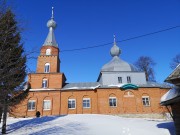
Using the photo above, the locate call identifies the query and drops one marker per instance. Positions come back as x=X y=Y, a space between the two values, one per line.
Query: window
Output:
x=47 y=104
x=112 y=101
x=44 y=83
x=146 y=101
x=48 y=52
x=31 y=105
x=86 y=102
x=71 y=103
x=47 y=68
x=128 y=79
x=119 y=79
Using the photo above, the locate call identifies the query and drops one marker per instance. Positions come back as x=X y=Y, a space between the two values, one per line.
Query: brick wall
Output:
x=55 y=80
x=128 y=102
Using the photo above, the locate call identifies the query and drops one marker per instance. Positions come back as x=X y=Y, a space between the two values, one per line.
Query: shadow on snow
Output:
x=28 y=123
x=168 y=125
x=69 y=129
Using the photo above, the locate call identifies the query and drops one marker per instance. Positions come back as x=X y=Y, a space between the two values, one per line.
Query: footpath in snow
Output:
x=88 y=124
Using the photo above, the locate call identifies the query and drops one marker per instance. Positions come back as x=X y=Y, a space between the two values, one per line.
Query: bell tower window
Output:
x=44 y=83
x=48 y=52
x=47 y=68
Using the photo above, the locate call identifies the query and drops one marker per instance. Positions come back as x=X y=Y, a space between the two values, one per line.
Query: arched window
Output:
x=31 y=105
x=112 y=100
x=86 y=103
x=146 y=100
x=44 y=83
x=47 y=104
x=48 y=52
x=47 y=68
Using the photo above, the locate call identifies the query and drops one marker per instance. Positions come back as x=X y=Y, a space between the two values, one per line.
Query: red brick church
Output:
x=120 y=87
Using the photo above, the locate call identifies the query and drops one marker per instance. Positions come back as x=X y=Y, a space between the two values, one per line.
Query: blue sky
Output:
x=84 y=23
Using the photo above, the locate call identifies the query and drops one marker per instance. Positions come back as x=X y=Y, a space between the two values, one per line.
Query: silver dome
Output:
x=51 y=23
x=116 y=64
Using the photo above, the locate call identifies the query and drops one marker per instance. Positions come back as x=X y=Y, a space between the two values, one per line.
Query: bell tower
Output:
x=48 y=75
x=48 y=60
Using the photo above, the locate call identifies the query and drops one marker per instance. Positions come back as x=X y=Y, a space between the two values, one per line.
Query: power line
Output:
x=144 y=35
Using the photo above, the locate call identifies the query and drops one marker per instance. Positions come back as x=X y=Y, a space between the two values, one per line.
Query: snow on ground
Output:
x=88 y=124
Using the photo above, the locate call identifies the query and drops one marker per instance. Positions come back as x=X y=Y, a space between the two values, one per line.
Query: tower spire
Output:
x=114 y=39
x=51 y=24
x=52 y=17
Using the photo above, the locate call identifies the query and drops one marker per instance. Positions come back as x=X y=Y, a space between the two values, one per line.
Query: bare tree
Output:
x=175 y=61
x=146 y=64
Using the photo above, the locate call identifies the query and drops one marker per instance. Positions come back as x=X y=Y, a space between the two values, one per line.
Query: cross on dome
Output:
x=51 y=24
x=115 y=50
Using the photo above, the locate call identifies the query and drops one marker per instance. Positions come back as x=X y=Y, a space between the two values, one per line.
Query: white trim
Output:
x=50 y=105
x=148 y=101
x=31 y=102
x=72 y=99
x=47 y=64
x=43 y=89
x=113 y=98
x=45 y=83
x=89 y=102
x=48 y=52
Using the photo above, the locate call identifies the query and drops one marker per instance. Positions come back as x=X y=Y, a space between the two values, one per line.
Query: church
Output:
x=120 y=88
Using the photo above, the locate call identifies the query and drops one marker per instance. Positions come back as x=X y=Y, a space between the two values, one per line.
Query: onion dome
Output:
x=51 y=24
x=117 y=64
x=115 y=51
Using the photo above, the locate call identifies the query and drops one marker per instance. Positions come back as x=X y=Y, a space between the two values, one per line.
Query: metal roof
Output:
x=174 y=75
x=95 y=85
x=154 y=84
x=81 y=86
x=50 y=40
x=117 y=64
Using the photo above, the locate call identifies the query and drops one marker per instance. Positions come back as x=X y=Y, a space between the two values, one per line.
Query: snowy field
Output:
x=88 y=125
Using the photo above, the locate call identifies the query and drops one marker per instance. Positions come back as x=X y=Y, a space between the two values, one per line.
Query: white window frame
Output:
x=47 y=68
x=48 y=51
x=128 y=79
x=119 y=79
x=144 y=102
x=44 y=83
x=88 y=102
x=31 y=106
x=112 y=98
x=71 y=100
x=48 y=107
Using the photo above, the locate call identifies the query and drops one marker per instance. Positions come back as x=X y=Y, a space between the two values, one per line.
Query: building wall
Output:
x=111 y=78
x=53 y=59
x=78 y=96
x=21 y=110
x=125 y=103
x=55 y=80
x=128 y=102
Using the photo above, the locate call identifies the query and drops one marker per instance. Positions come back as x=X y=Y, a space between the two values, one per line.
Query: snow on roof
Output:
x=171 y=94
x=154 y=84
x=81 y=86
x=116 y=85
